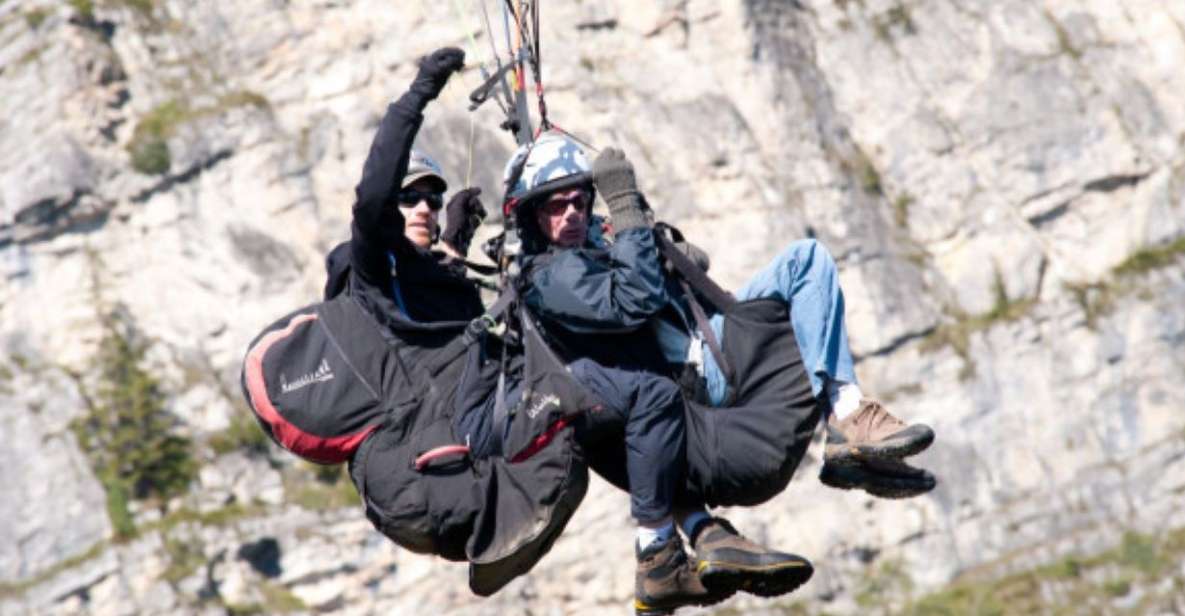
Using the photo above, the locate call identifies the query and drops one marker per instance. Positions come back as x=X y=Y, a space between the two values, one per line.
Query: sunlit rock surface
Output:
x=992 y=177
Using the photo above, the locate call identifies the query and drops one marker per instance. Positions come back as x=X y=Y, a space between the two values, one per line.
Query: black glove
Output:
x=695 y=253
x=435 y=69
x=613 y=175
x=493 y=247
x=463 y=215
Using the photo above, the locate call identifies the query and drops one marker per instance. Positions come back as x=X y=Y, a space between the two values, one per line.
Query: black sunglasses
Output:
x=408 y=196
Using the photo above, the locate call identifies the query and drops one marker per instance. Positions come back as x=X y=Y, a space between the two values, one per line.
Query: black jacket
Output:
x=389 y=274
x=476 y=513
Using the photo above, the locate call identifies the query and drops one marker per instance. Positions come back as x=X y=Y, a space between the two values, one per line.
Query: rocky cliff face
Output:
x=1003 y=184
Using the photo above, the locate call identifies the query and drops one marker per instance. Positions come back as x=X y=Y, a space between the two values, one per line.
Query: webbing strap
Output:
x=691 y=273
x=694 y=280
x=474 y=331
x=485 y=270
x=501 y=409
x=705 y=327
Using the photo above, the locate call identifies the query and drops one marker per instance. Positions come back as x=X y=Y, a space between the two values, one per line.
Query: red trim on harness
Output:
x=433 y=454
x=325 y=450
x=541 y=441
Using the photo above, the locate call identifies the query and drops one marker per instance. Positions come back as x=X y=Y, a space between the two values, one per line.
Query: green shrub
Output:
x=1151 y=258
x=84 y=8
x=243 y=98
x=149 y=146
x=151 y=157
x=870 y=178
x=16 y=588
x=117 y=507
x=218 y=518
x=145 y=7
x=882 y=584
x=328 y=474
x=1139 y=551
x=127 y=433
x=321 y=488
x=1068 y=568
x=276 y=600
x=243 y=434
x=1117 y=588
x=35 y=17
x=901 y=209
x=185 y=557
x=959 y=601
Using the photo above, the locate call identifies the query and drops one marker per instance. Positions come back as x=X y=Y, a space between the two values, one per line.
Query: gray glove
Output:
x=613 y=176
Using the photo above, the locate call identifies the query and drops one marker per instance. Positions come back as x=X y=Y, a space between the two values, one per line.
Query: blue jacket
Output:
x=613 y=306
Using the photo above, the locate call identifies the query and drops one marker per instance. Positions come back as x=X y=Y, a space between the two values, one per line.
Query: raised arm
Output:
x=377 y=226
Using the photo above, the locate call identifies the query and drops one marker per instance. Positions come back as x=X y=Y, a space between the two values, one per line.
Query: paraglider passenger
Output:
x=584 y=294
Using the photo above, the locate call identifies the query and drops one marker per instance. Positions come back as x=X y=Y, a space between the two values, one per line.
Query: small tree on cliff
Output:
x=127 y=432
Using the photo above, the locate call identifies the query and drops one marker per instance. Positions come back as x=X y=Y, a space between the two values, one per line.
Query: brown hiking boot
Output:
x=666 y=580
x=727 y=561
x=872 y=432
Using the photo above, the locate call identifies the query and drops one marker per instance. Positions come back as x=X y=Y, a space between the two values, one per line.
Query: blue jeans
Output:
x=804 y=276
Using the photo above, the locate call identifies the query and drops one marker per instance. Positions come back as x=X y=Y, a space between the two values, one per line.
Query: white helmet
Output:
x=553 y=162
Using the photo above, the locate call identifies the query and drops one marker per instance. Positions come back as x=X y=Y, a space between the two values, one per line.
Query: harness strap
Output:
x=691 y=273
x=705 y=327
x=501 y=409
x=473 y=331
x=484 y=270
x=693 y=280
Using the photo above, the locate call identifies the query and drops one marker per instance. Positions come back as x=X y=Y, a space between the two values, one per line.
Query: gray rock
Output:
x=47 y=473
x=55 y=172
x=943 y=152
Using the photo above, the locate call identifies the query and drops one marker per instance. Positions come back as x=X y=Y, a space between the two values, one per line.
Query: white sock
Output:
x=692 y=520
x=647 y=536
x=845 y=398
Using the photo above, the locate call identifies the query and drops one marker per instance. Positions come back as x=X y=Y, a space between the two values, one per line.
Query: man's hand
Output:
x=463 y=215
x=435 y=70
x=613 y=175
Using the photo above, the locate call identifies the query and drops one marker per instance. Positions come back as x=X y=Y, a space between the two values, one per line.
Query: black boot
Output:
x=728 y=561
x=881 y=478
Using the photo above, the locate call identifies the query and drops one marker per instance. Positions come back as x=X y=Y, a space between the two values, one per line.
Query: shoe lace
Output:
x=877 y=415
x=675 y=556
